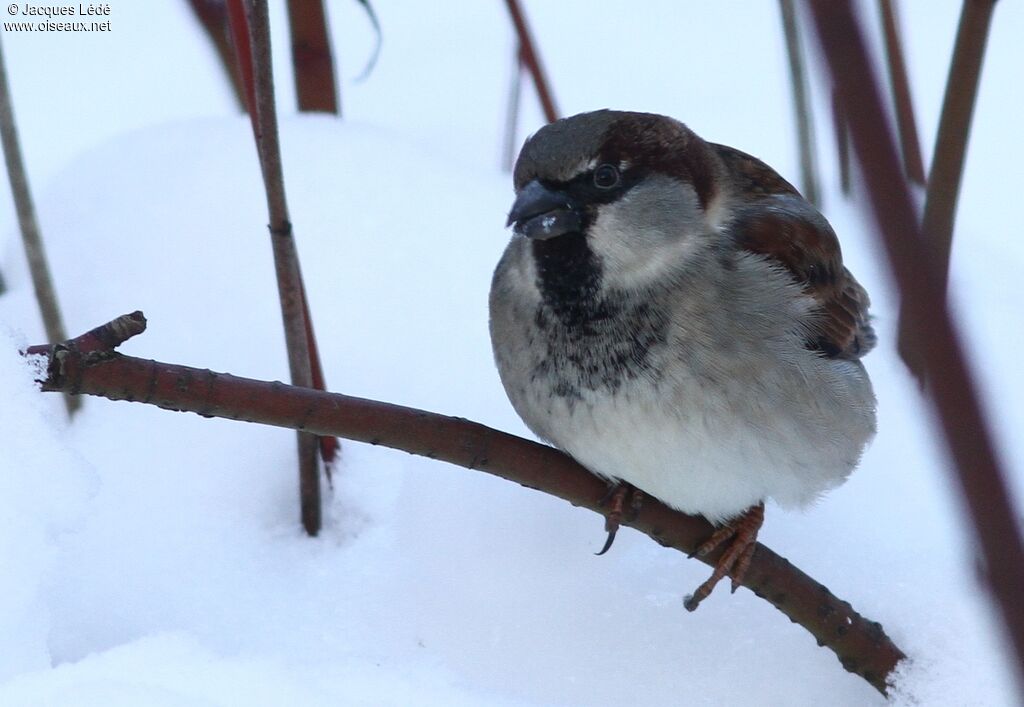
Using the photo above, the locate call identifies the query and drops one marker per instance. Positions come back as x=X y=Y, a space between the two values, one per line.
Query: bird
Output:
x=676 y=317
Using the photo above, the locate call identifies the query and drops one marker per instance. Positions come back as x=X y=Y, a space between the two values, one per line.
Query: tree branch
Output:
x=79 y=367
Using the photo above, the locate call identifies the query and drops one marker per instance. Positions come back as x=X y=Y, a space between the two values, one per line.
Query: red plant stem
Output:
x=948 y=161
x=250 y=27
x=909 y=142
x=979 y=473
x=954 y=129
x=532 y=60
x=329 y=447
x=312 y=61
x=212 y=15
x=243 y=55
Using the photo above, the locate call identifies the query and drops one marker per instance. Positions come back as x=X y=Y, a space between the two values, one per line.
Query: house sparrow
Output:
x=676 y=317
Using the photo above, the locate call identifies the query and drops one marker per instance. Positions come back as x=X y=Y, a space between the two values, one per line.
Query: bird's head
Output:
x=638 y=190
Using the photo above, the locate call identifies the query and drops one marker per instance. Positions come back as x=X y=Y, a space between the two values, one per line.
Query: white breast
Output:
x=699 y=451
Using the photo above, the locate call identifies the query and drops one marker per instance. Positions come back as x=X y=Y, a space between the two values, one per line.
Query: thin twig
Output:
x=948 y=161
x=532 y=60
x=239 y=30
x=213 y=16
x=860 y=644
x=979 y=472
x=909 y=142
x=312 y=60
x=515 y=90
x=801 y=105
x=842 y=137
x=35 y=253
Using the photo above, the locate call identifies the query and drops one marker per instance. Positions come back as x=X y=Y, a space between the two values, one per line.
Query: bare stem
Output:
x=801 y=104
x=515 y=90
x=979 y=473
x=532 y=60
x=948 y=161
x=842 y=137
x=212 y=15
x=860 y=644
x=35 y=253
x=312 y=60
x=252 y=30
x=910 y=145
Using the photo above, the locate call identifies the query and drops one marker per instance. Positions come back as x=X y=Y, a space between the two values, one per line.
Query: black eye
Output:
x=606 y=176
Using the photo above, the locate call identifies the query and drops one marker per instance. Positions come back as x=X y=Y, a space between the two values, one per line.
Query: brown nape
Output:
x=751 y=175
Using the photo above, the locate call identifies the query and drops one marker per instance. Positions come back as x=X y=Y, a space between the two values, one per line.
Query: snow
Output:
x=156 y=558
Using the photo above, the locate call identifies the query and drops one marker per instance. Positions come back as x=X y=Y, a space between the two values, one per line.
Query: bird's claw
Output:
x=615 y=499
x=735 y=561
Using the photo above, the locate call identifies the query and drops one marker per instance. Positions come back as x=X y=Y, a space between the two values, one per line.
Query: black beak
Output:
x=542 y=213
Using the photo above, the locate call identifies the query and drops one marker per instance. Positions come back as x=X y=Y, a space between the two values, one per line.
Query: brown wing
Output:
x=809 y=250
x=777 y=223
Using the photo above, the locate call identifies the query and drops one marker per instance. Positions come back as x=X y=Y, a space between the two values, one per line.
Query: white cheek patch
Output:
x=634 y=257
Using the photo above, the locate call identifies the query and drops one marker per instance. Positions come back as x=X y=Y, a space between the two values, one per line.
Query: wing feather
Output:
x=777 y=223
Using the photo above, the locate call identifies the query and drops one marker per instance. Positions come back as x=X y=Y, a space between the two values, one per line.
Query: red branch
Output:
x=243 y=55
x=860 y=644
x=312 y=61
x=531 y=58
x=251 y=29
x=948 y=161
x=909 y=142
x=213 y=16
x=978 y=471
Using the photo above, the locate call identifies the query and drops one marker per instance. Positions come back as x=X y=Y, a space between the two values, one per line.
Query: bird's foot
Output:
x=736 y=558
x=623 y=501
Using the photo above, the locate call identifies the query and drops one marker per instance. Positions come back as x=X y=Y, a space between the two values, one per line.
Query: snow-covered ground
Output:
x=152 y=558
